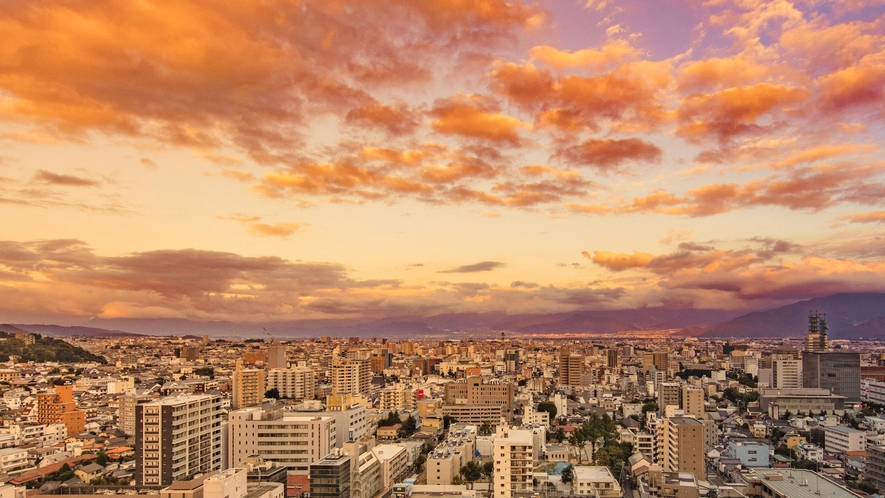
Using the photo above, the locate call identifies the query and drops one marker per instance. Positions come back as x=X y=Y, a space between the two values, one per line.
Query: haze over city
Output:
x=276 y=160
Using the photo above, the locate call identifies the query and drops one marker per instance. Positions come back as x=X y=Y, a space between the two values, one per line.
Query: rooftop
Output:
x=801 y=483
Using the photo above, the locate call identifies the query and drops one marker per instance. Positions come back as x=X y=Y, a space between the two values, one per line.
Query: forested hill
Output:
x=44 y=349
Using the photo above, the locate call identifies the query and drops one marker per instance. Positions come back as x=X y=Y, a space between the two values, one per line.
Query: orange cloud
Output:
x=628 y=95
x=619 y=261
x=275 y=230
x=720 y=73
x=396 y=121
x=607 y=154
x=734 y=111
x=473 y=117
x=50 y=178
x=166 y=68
x=255 y=226
x=862 y=85
x=873 y=217
x=612 y=52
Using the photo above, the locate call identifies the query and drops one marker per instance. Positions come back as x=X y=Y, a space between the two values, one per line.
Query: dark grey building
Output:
x=838 y=372
x=330 y=477
x=177 y=437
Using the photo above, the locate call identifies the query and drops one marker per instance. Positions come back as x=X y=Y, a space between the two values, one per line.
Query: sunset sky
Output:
x=280 y=159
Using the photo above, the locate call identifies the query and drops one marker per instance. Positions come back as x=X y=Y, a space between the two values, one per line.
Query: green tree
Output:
x=419 y=463
x=408 y=428
x=64 y=473
x=272 y=393
x=549 y=407
x=613 y=456
x=559 y=435
x=102 y=458
x=448 y=420
x=485 y=429
x=568 y=474
x=472 y=471
x=488 y=469
x=649 y=406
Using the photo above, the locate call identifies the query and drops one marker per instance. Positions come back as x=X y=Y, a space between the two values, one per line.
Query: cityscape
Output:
x=351 y=417
x=442 y=248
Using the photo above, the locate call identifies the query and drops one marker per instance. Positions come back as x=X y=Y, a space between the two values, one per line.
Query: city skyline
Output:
x=290 y=160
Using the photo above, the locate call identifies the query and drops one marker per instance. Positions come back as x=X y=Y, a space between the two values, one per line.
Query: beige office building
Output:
x=289 y=439
x=351 y=376
x=293 y=383
x=474 y=391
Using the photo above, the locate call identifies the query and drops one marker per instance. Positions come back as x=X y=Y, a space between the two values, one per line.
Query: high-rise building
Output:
x=248 y=387
x=513 y=457
x=177 y=437
x=511 y=360
x=276 y=355
x=875 y=466
x=571 y=368
x=126 y=412
x=681 y=445
x=60 y=408
x=190 y=353
x=693 y=401
x=838 y=372
x=669 y=394
x=330 y=477
x=293 y=383
x=351 y=376
x=660 y=360
x=611 y=356
x=786 y=374
x=816 y=339
x=289 y=439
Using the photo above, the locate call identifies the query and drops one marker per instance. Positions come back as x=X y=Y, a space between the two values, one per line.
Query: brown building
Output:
x=474 y=391
x=60 y=408
x=377 y=362
x=681 y=445
x=660 y=360
x=571 y=368
x=611 y=356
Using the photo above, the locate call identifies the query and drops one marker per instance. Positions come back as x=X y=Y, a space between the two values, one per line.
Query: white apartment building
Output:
x=395 y=463
x=177 y=437
x=513 y=463
x=840 y=439
x=289 y=439
x=14 y=460
x=351 y=424
x=872 y=391
x=597 y=482
x=294 y=383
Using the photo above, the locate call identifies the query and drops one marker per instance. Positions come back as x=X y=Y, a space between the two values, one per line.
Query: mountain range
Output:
x=850 y=316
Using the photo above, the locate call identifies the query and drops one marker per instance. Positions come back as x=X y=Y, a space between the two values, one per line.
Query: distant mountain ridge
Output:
x=850 y=316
